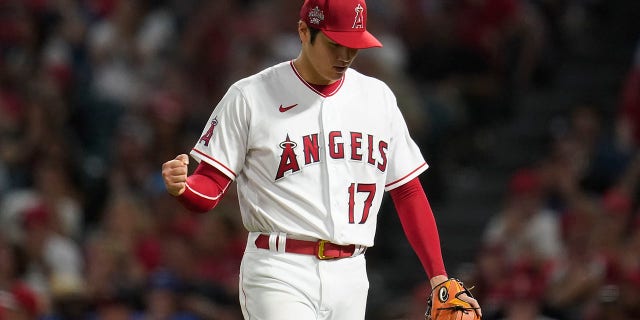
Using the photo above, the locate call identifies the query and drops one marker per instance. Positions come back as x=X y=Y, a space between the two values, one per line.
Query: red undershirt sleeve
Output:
x=205 y=188
x=419 y=225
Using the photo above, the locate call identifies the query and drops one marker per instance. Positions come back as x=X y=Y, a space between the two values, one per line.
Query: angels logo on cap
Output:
x=343 y=21
x=358 y=23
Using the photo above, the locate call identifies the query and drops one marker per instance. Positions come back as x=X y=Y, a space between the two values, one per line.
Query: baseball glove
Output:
x=443 y=302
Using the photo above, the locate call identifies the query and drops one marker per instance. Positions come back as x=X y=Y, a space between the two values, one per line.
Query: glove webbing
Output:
x=458 y=308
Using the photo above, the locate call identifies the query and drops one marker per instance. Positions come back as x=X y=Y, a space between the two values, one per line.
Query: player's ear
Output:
x=303 y=31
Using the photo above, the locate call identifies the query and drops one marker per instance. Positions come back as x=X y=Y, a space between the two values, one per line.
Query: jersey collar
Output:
x=322 y=90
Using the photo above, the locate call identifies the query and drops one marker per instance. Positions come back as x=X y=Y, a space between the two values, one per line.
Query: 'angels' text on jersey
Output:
x=355 y=151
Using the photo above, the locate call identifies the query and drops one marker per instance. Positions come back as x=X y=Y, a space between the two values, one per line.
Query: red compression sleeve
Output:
x=205 y=188
x=419 y=225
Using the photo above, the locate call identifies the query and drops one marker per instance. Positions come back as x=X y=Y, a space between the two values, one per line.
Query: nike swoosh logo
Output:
x=285 y=109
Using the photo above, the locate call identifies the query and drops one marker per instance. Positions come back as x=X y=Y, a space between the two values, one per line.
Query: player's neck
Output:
x=307 y=72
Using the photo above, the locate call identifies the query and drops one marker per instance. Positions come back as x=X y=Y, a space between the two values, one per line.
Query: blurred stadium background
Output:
x=528 y=112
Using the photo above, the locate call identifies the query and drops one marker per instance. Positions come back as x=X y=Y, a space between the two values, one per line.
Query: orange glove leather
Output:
x=444 y=304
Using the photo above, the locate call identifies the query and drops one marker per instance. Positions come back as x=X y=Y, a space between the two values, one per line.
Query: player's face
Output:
x=324 y=61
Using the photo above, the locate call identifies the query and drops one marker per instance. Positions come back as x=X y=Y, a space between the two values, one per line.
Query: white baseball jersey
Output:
x=306 y=163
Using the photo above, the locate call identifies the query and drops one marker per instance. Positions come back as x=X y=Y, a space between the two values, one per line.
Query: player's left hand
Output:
x=472 y=302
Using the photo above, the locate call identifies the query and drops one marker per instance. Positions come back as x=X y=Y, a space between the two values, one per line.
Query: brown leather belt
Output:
x=322 y=249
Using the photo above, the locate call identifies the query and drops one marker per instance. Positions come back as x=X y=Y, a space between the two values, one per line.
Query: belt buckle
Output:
x=320 y=254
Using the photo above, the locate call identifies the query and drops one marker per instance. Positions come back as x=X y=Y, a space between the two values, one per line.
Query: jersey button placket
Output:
x=325 y=125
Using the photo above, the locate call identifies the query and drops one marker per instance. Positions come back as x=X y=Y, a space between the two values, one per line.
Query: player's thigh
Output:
x=278 y=286
x=345 y=289
x=276 y=305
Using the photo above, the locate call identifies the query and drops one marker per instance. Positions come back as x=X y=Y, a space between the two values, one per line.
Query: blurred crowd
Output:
x=566 y=242
x=96 y=94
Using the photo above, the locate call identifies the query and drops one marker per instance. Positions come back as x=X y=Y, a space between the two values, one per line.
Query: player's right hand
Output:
x=174 y=174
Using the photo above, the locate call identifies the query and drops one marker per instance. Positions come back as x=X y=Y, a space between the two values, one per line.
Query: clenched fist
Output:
x=174 y=174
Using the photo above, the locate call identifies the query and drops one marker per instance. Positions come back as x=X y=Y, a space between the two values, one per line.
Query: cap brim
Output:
x=355 y=40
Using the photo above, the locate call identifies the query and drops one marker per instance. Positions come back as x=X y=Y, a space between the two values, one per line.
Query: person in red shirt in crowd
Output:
x=629 y=110
x=17 y=300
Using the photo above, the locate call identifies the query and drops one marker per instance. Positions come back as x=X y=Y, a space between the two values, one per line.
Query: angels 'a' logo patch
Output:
x=207 y=136
x=443 y=294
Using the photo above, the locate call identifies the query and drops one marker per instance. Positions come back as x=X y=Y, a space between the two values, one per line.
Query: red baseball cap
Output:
x=343 y=21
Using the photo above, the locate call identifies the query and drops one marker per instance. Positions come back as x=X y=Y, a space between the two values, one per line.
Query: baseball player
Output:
x=312 y=145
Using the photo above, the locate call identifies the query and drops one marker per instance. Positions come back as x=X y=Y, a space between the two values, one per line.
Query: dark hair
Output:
x=314 y=33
